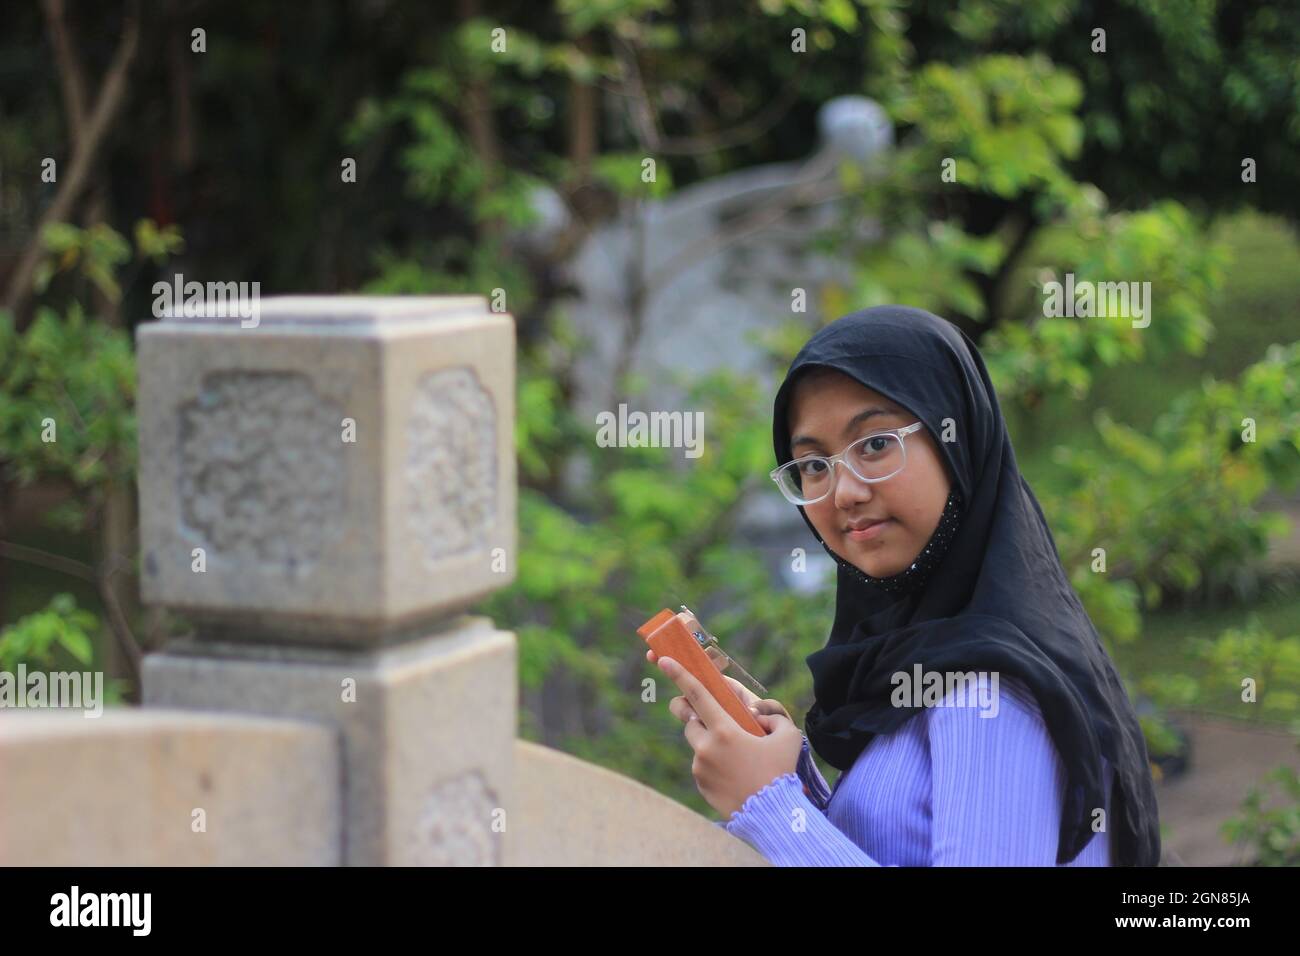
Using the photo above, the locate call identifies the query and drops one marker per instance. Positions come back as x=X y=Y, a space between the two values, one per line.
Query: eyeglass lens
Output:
x=873 y=458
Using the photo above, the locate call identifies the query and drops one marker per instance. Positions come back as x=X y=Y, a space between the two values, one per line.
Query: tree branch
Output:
x=746 y=132
x=102 y=580
x=583 y=113
x=993 y=287
x=476 y=111
x=45 y=559
x=71 y=76
x=120 y=627
x=643 y=113
x=108 y=104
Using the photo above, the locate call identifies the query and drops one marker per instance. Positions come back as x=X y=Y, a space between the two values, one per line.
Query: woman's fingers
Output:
x=747 y=697
x=771 y=707
x=695 y=733
x=681 y=708
x=750 y=699
x=709 y=711
x=719 y=662
x=754 y=702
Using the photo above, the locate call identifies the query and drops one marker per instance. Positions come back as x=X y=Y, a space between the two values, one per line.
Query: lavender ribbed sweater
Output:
x=948 y=788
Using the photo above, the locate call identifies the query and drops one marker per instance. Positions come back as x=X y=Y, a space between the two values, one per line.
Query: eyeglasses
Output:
x=876 y=457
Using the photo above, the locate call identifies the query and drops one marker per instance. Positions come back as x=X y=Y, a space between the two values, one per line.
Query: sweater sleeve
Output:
x=997 y=786
x=780 y=822
x=814 y=784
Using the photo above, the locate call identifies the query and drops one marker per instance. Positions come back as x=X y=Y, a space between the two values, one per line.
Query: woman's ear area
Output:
x=939 y=451
x=944 y=451
x=934 y=440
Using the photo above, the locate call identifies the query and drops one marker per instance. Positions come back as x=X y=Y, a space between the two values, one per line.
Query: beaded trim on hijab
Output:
x=913 y=577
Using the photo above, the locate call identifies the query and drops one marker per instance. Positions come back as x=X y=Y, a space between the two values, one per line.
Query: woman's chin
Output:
x=877 y=569
x=873 y=557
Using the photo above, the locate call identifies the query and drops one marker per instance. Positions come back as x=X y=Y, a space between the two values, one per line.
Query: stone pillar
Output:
x=323 y=494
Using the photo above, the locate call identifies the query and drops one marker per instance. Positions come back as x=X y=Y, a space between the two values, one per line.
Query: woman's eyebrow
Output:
x=853 y=423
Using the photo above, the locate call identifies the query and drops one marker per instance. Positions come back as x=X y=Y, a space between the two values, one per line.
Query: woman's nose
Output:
x=848 y=490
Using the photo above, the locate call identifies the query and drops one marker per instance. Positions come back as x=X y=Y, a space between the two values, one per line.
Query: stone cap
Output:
x=331 y=310
x=344 y=477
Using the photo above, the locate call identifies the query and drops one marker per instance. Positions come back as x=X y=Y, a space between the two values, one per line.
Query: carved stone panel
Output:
x=262 y=469
x=455 y=827
x=451 y=466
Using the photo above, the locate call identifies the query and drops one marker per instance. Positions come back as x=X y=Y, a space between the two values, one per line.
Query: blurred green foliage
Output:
x=1267 y=823
x=38 y=639
x=75 y=371
x=58 y=638
x=67 y=416
x=652 y=531
x=80 y=374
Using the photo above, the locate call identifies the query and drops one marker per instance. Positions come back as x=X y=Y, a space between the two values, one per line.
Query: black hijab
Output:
x=992 y=594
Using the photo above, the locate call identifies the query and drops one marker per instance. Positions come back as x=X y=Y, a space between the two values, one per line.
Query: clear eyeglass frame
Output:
x=833 y=460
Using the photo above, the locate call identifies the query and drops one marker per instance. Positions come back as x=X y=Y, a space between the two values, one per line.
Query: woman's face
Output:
x=828 y=411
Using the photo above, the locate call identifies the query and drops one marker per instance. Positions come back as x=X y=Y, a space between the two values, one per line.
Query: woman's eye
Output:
x=811 y=469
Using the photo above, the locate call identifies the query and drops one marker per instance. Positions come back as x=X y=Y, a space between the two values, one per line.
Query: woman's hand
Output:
x=731 y=764
x=747 y=697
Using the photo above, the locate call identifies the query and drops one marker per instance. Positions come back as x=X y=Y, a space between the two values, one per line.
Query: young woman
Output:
x=890 y=441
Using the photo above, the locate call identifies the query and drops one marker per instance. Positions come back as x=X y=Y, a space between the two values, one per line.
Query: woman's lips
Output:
x=870 y=531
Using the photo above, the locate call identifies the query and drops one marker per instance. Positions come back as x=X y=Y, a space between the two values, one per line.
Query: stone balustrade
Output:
x=323 y=495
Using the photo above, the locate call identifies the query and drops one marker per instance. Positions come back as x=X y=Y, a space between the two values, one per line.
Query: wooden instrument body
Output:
x=669 y=635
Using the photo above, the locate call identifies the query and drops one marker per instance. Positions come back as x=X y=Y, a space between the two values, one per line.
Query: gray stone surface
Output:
x=427 y=743
x=307 y=536
x=720 y=259
x=572 y=813
x=122 y=790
